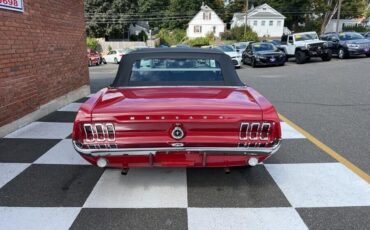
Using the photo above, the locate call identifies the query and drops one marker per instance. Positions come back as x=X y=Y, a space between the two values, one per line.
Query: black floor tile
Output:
x=243 y=187
x=50 y=186
x=336 y=218
x=60 y=116
x=153 y=218
x=24 y=150
x=299 y=151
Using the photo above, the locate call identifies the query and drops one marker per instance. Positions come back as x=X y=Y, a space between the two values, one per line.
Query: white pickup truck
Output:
x=303 y=46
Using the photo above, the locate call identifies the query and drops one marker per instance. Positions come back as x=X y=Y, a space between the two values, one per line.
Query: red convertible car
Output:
x=176 y=108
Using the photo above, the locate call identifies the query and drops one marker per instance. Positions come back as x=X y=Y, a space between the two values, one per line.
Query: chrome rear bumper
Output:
x=153 y=151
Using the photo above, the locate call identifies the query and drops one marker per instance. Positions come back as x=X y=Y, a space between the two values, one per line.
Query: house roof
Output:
x=205 y=8
x=256 y=13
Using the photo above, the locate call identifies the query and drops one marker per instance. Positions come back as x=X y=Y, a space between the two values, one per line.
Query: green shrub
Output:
x=133 y=37
x=210 y=36
x=198 y=42
x=169 y=38
x=226 y=35
x=250 y=36
x=237 y=33
x=110 y=48
x=142 y=36
x=92 y=43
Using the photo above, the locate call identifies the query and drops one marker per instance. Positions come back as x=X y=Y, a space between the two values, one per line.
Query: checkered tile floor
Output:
x=44 y=184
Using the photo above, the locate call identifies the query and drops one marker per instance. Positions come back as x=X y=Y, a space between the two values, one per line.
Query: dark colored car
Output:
x=263 y=54
x=367 y=35
x=93 y=58
x=274 y=42
x=347 y=44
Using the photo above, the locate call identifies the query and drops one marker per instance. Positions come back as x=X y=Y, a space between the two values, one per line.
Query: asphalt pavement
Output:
x=330 y=100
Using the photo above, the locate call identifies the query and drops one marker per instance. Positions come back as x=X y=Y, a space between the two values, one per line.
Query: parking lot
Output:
x=318 y=180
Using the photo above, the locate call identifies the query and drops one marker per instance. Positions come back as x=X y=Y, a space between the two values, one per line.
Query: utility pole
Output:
x=338 y=14
x=246 y=17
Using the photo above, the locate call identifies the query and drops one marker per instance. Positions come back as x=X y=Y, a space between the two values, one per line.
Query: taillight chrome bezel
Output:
x=254 y=131
x=99 y=132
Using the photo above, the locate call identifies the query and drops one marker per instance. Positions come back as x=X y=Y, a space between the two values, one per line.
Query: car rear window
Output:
x=176 y=70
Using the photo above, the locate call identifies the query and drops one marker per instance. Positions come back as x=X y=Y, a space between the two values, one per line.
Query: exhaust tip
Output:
x=102 y=162
x=253 y=161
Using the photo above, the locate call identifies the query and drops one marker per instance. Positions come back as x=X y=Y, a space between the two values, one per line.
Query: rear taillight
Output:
x=99 y=132
x=255 y=131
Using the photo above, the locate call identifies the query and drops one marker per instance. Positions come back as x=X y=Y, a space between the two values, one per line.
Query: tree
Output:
x=108 y=18
x=328 y=9
x=92 y=43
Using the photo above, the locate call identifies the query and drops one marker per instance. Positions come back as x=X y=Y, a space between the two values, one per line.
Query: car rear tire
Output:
x=116 y=61
x=342 y=54
x=300 y=57
x=104 y=61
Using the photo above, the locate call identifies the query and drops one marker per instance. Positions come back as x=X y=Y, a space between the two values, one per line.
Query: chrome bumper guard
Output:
x=153 y=151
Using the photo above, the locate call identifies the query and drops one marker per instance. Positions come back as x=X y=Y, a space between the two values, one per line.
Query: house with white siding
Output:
x=204 y=22
x=264 y=20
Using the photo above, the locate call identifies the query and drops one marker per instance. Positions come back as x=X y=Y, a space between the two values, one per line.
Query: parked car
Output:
x=277 y=43
x=187 y=108
x=347 y=44
x=241 y=46
x=233 y=54
x=115 y=56
x=303 y=46
x=93 y=58
x=367 y=35
x=263 y=54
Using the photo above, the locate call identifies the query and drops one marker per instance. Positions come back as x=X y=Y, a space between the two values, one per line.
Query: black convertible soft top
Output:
x=230 y=77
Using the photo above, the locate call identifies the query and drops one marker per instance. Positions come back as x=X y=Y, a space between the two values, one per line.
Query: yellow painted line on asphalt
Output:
x=328 y=150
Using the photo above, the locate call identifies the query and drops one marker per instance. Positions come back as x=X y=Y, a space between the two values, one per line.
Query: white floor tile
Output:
x=141 y=188
x=62 y=153
x=43 y=130
x=244 y=218
x=37 y=218
x=73 y=107
x=320 y=185
x=10 y=170
x=289 y=132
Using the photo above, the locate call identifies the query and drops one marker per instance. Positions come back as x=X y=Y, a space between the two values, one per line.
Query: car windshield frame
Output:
x=306 y=36
x=258 y=45
x=348 y=36
x=166 y=70
x=227 y=68
x=226 y=48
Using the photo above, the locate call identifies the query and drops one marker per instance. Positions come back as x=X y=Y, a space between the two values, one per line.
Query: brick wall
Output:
x=42 y=55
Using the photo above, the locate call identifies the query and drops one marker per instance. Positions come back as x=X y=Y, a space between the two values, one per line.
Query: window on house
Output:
x=207 y=15
x=271 y=23
x=255 y=23
x=279 y=23
x=197 y=29
x=263 y=23
x=214 y=29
